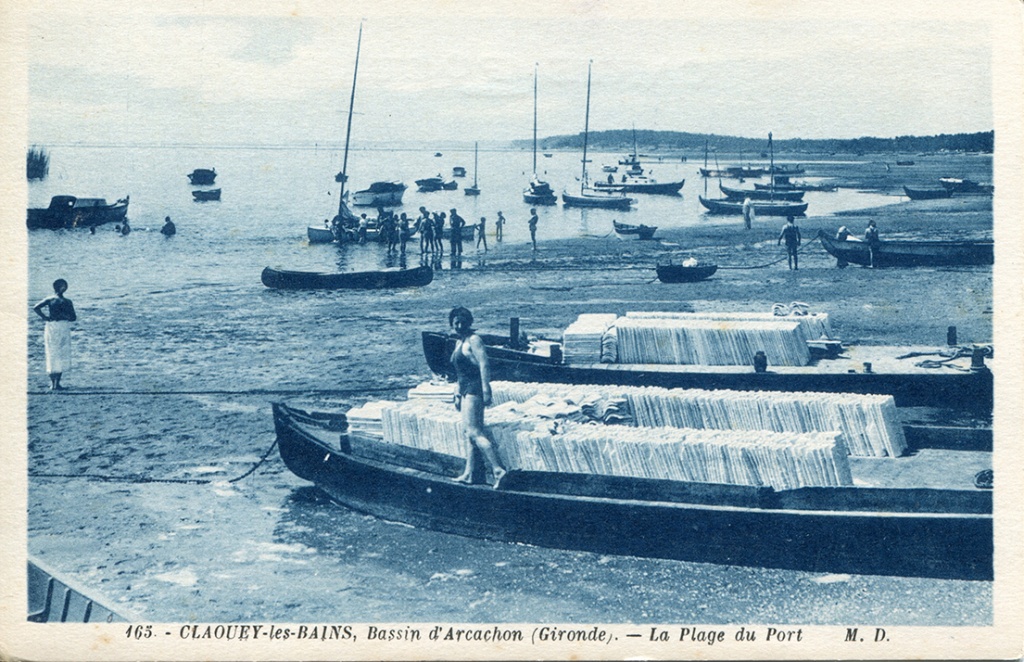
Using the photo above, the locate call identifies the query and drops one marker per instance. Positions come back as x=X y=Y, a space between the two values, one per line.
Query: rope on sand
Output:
x=147 y=479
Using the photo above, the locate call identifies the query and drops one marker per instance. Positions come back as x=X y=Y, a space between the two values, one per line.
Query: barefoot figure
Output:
x=60 y=313
x=473 y=373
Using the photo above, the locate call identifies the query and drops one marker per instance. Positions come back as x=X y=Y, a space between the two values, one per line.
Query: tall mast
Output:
x=586 y=131
x=535 y=119
x=348 y=130
x=476 y=147
x=771 y=170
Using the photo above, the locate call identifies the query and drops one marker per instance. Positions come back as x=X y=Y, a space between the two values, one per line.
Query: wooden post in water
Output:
x=951 y=336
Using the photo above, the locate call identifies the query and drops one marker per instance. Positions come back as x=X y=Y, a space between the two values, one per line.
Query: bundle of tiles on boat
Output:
x=552 y=434
x=581 y=341
x=776 y=459
x=693 y=338
x=869 y=423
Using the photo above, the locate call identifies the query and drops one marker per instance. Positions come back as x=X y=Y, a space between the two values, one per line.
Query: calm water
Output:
x=187 y=316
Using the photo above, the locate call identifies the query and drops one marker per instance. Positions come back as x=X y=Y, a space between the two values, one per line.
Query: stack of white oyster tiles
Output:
x=869 y=423
x=581 y=340
x=780 y=460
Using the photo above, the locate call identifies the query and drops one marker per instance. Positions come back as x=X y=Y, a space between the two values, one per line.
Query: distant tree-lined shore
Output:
x=677 y=141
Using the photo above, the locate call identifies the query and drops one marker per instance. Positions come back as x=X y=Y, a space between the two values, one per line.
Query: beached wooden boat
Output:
x=681 y=273
x=355 y=280
x=211 y=194
x=380 y=194
x=55 y=599
x=891 y=372
x=202 y=176
x=67 y=211
x=761 y=207
x=926 y=193
x=912 y=253
x=741 y=194
x=920 y=515
x=638 y=231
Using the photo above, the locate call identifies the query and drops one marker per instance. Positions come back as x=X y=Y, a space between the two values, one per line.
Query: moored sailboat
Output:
x=345 y=220
x=589 y=197
x=538 y=192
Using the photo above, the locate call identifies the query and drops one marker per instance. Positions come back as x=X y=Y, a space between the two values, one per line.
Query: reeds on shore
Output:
x=38 y=163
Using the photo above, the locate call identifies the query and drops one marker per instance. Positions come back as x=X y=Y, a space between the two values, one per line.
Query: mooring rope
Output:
x=147 y=479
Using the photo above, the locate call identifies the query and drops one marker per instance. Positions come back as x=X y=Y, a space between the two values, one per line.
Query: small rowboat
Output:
x=679 y=273
x=912 y=253
x=638 y=231
x=356 y=280
x=201 y=196
x=202 y=176
x=319 y=235
x=53 y=599
x=927 y=193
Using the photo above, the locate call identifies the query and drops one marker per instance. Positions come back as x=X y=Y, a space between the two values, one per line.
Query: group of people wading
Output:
x=397 y=230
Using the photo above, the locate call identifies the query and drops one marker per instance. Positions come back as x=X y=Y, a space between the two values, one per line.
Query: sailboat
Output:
x=635 y=181
x=345 y=221
x=589 y=197
x=538 y=192
x=474 y=189
x=773 y=206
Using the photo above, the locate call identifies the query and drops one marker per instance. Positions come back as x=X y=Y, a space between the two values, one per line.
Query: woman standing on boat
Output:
x=60 y=313
x=473 y=374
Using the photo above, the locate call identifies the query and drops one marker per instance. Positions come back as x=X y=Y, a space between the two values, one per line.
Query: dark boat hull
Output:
x=201 y=196
x=650 y=188
x=677 y=273
x=63 y=213
x=946 y=389
x=741 y=194
x=761 y=208
x=927 y=193
x=202 y=177
x=531 y=198
x=913 y=253
x=597 y=201
x=867 y=531
x=364 y=280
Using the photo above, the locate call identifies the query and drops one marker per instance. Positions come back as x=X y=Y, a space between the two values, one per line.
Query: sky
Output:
x=280 y=73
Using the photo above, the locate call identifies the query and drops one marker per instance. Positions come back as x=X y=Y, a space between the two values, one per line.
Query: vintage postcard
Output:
x=512 y=330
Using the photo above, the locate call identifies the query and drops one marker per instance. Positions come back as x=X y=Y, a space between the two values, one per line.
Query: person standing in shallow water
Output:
x=481 y=233
x=474 y=383
x=533 y=227
x=60 y=313
x=499 y=227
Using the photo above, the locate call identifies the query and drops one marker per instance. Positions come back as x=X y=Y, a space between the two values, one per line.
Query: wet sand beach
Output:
x=129 y=468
